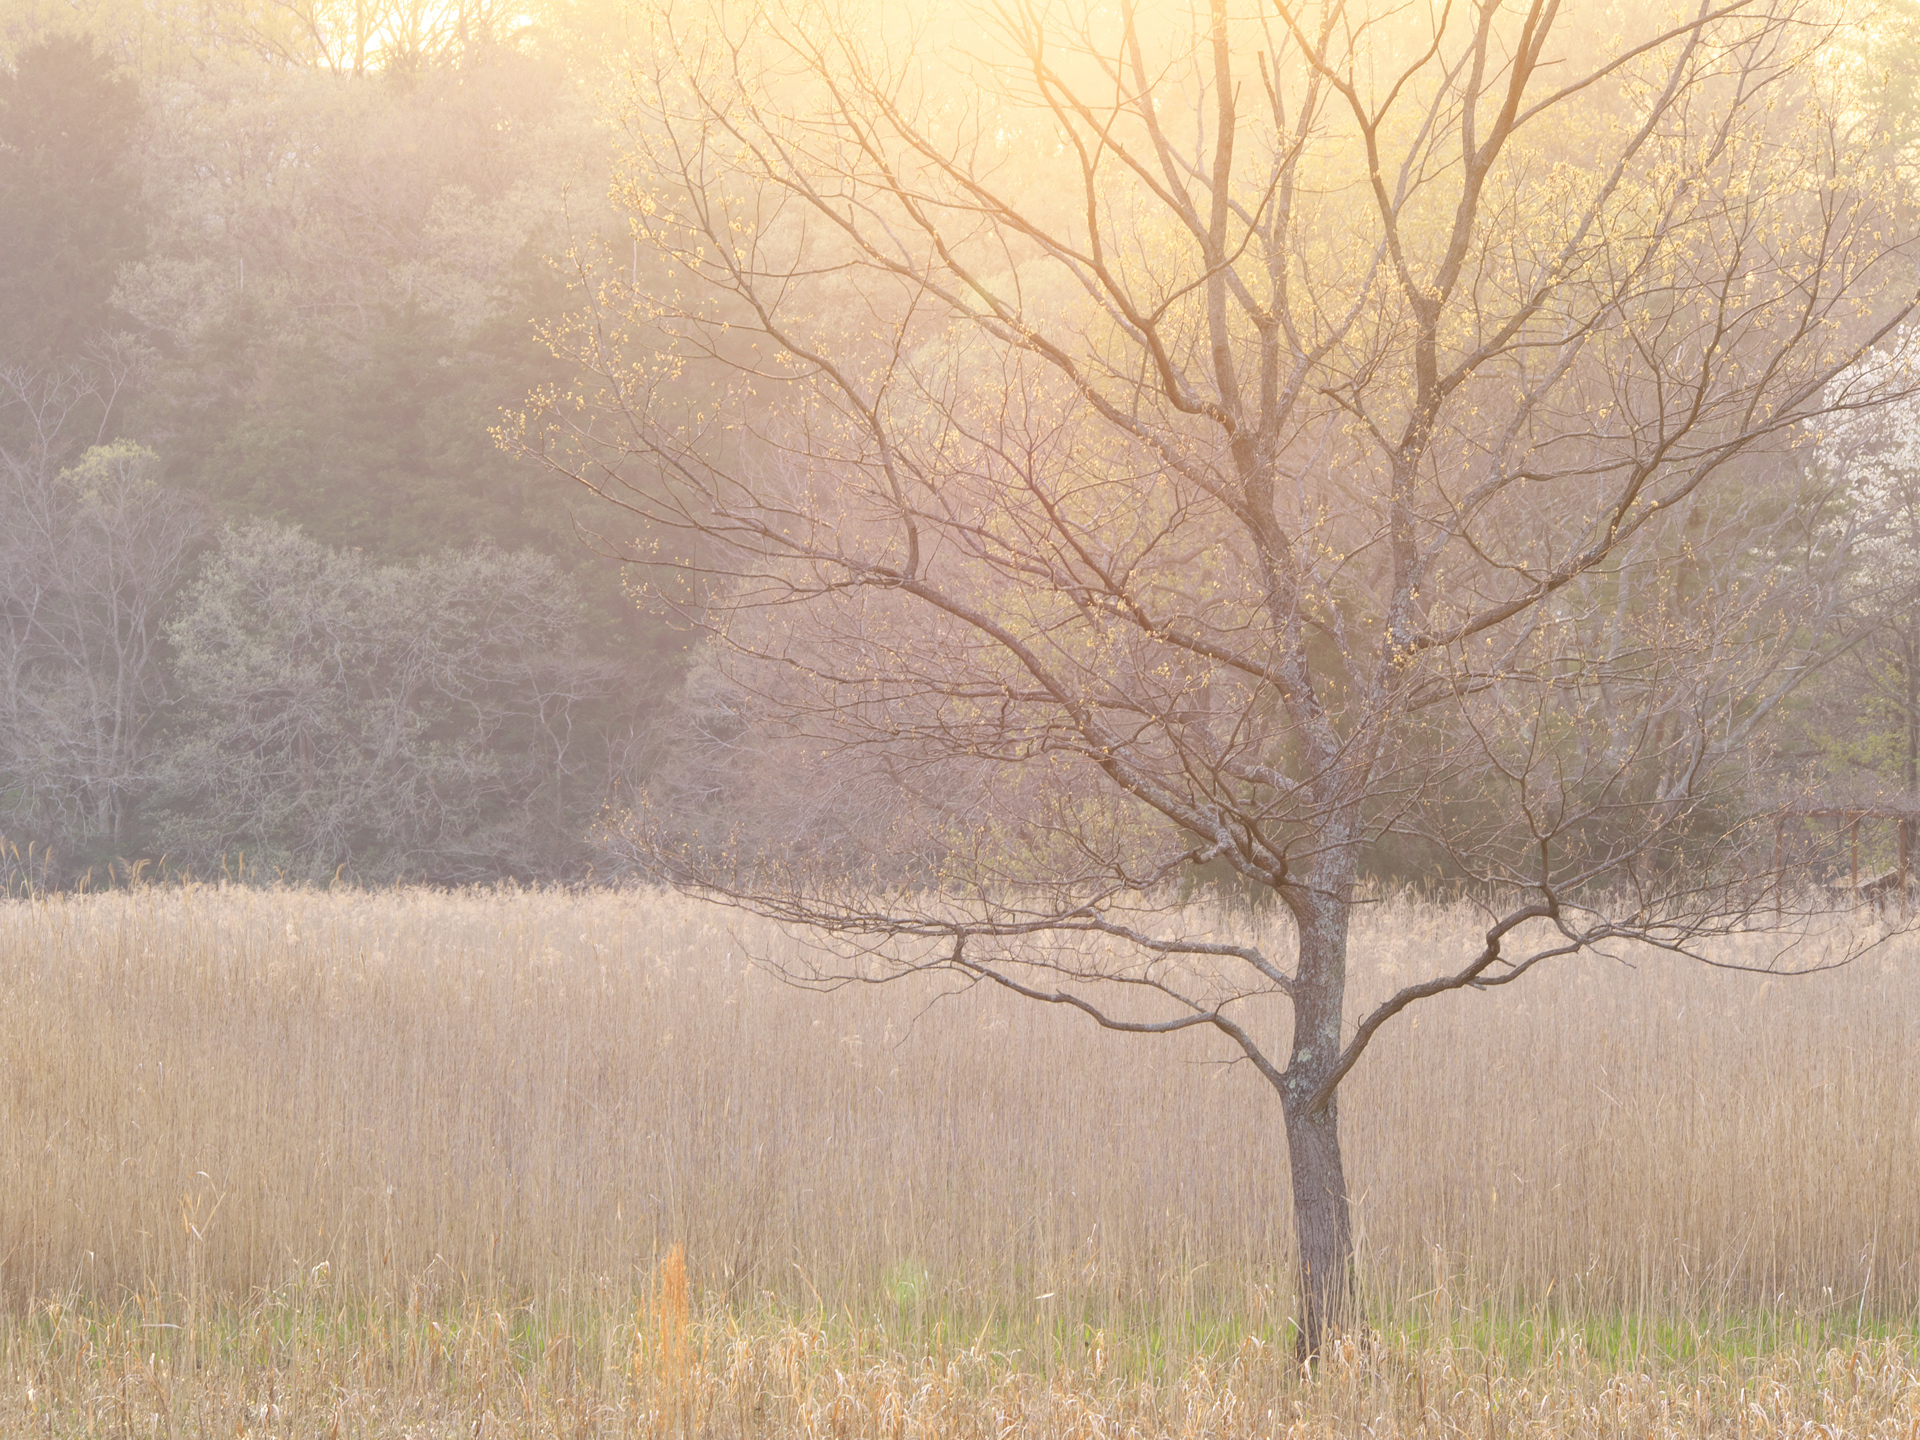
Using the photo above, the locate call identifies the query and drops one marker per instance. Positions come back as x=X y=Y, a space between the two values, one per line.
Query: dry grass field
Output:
x=417 y=1164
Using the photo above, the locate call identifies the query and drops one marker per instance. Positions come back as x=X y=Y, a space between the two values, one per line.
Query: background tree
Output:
x=341 y=294
x=297 y=251
x=432 y=721
x=89 y=558
x=1243 y=444
x=341 y=287
x=1853 y=736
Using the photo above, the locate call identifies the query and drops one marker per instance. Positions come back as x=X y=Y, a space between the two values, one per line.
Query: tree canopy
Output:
x=1141 y=442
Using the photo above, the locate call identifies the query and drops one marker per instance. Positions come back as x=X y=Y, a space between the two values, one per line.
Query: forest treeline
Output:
x=274 y=590
x=271 y=595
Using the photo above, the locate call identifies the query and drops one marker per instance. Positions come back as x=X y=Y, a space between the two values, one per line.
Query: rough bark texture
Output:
x=1322 y=1218
x=1322 y=1221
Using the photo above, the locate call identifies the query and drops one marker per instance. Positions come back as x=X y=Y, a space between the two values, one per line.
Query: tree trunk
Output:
x=1322 y=1219
x=1322 y=1223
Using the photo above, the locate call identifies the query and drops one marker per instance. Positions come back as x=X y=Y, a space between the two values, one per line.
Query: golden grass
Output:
x=477 y=1377
x=420 y=1158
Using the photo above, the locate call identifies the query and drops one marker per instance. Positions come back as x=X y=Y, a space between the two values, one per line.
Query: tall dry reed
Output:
x=404 y=1098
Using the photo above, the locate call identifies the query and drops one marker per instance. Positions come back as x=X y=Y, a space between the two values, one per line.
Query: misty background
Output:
x=275 y=597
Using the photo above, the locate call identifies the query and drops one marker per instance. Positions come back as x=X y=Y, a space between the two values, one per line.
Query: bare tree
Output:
x=89 y=558
x=1246 y=440
x=1868 y=714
